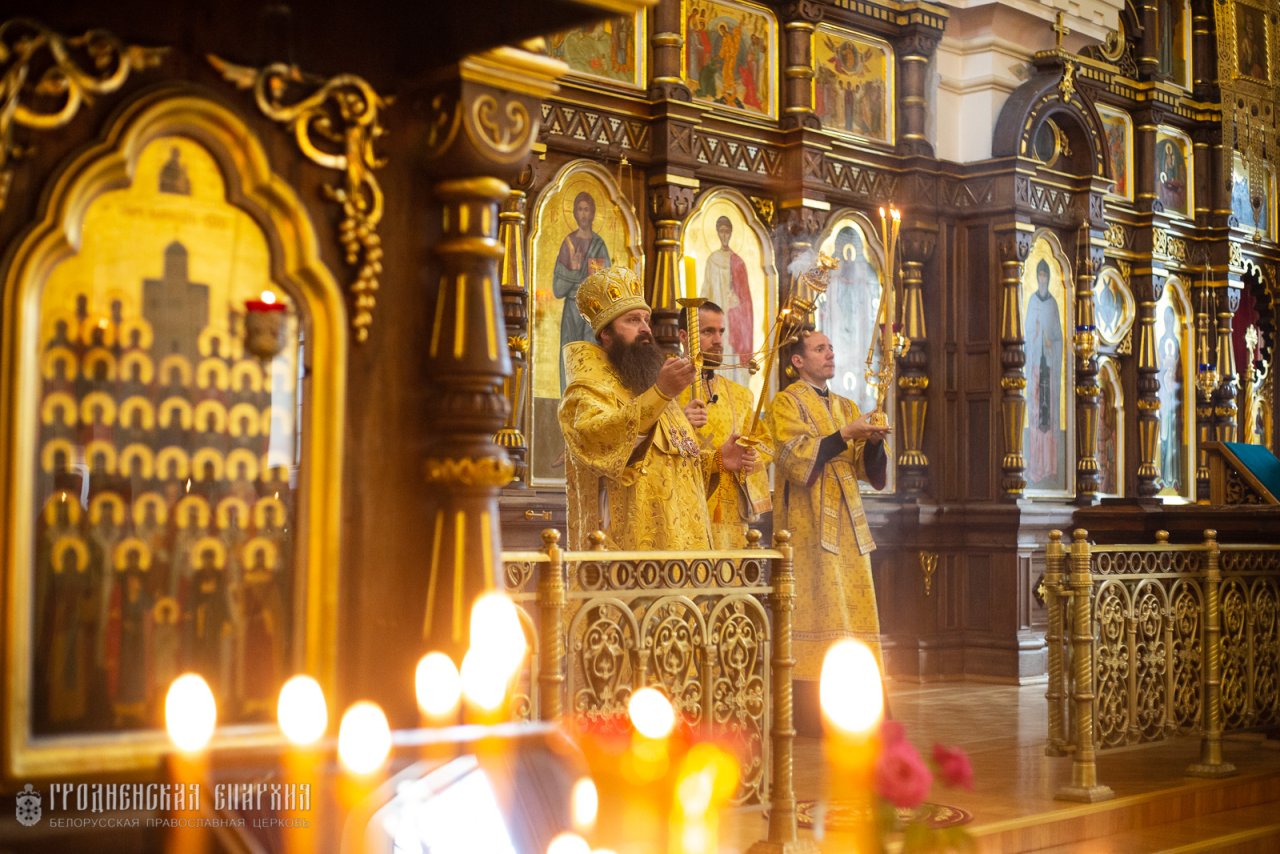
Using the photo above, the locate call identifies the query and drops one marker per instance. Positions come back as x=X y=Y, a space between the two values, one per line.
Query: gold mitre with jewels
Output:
x=609 y=294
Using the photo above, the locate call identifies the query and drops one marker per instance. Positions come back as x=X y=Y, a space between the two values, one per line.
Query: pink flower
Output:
x=901 y=775
x=953 y=766
x=892 y=732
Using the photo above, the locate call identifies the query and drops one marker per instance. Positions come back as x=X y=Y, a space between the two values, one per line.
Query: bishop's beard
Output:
x=637 y=363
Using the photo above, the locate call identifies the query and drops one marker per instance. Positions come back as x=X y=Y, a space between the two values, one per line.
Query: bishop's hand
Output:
x=675 y=376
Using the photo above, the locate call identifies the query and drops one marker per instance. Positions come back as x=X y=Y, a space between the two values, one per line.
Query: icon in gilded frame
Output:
x=853 y=83
x=730 y=55
x=582 y=223
x=611 y=51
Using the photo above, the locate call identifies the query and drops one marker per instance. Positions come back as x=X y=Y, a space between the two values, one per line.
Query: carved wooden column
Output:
x=913 y=378
x=1224 y=398
x=1014 y=247
x=1148 y=60
x=914 y=50
x=513 y=282
x=800 y=225
x=1148 y=292
x=1204 y=52
x=483 y=117
x=1088 y=392
x=667 y=80
x=799 y=18
x=669 y=204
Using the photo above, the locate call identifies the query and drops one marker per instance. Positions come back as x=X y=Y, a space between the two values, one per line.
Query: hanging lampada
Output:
x=264 y=324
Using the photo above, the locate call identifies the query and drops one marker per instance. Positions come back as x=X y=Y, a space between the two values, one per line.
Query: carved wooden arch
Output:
x=1259 y=281
x=1050 y=94
x=269 y=201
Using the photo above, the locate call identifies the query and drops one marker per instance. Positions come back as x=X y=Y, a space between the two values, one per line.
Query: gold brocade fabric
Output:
x=731 y=413
x=633 y=467
x=823 y=511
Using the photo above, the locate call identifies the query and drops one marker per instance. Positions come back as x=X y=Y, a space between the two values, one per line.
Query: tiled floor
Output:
x=1003 y=729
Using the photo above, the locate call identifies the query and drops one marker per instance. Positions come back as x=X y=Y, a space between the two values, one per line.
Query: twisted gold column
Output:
x=552 y=600
x=782 y=799
x=1084 y=766
x=1056 y=601
x=1211 y=764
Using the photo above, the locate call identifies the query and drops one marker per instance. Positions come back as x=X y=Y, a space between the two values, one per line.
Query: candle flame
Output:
x=584 y=803
x=850 y=690
x=568 y=843
x=651 y=713
x=301 y=711
x=269 y=297
x=438 y=685
x=498 y=647
x=364 y=738
x=190 y=713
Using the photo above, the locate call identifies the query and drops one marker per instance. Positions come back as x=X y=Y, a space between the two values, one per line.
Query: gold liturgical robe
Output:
x=633 y=466
x=821 y=507
x=736 y=502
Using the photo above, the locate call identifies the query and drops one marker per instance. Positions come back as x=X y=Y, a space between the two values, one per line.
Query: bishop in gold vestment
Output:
x=728 y=407
x=824 y=447
x=633 y=466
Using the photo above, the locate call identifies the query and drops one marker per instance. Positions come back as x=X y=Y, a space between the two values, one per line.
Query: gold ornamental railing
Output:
x=712 y=631
x=1149 y=641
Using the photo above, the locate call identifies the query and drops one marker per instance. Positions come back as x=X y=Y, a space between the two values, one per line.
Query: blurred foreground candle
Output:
x=439 y=689
x=852 y=698
x=706 y=781
x=190 y=716
x=491 y=664
x=303 y=716
x=584 y=805
x=364 y=743
x=690 y=277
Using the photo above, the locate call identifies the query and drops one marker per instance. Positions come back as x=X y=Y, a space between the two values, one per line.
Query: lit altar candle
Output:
x=852 y=699
x=303 y=716
x=690 y=277
x=190 y=715
x=493 y=661
x=364 y=744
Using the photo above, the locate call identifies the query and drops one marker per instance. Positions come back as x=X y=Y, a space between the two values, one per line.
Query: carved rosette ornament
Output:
x=336 y=123
x=1014 y=248
x=913 y=378
x=45 y=78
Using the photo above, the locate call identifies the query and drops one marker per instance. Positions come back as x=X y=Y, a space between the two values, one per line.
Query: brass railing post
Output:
x=551 y=606
x=782 y=799
x=1084 y=767
x=1211 y=764
x=1056 y=600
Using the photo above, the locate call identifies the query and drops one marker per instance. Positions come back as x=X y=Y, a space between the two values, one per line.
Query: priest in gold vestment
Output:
x=824 y=446
x=740 y=498
x=633 y=466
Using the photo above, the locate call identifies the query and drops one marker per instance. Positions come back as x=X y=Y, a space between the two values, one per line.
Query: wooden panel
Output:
x=977 y=438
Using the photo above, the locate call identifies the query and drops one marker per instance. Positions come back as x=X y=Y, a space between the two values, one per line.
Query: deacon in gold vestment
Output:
x=824 y=447
x=742 y=497
x=633 y=466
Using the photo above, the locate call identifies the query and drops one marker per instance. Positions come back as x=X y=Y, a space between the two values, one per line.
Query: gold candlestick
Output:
x=891 y=344
x=692 y=306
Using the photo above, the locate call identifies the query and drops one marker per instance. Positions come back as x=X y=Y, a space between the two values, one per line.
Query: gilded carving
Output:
x=765 y=209
x=467 y=471
x=576 y=123
x=66 y=84
x=504 y=128
x=336 y=126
